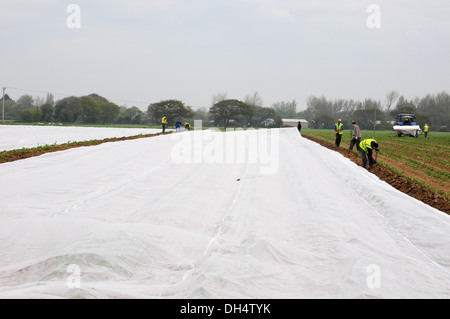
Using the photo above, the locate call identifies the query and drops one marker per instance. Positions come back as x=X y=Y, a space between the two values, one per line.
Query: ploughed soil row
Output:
x=15 y=155
x=401 y=183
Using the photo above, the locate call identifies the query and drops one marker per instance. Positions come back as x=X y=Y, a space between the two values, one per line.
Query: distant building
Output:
x=294 y=122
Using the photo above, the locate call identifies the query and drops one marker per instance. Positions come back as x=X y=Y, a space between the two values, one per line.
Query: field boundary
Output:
x=399 y=182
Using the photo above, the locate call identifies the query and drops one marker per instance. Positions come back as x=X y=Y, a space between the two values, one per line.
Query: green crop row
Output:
x=405 y=155
x=422 y=154
x=47 y=147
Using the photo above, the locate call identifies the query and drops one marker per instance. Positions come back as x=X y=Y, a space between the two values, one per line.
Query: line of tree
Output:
x=90 y=109
x=433 y=110
x=320 y=113
x=95 y=109
x=225 y=112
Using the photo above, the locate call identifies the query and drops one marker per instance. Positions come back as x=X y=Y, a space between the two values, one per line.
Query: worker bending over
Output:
x=366 y=148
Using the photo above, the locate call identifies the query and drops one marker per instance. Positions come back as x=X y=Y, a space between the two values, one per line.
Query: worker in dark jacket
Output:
x=178 y=126
x=366 y=148
x=299 y=126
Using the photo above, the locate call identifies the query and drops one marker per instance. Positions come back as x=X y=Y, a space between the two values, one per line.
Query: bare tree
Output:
x=39 y=101
x=254 y=100
x=390 y=99
x=219 y=97
x=287 y=110
x=50 y=99
x=338 y=106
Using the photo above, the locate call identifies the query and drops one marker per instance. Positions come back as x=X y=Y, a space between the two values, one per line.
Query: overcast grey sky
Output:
x=138 y=52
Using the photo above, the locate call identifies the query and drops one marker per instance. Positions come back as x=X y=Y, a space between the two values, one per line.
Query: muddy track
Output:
x=401 y=183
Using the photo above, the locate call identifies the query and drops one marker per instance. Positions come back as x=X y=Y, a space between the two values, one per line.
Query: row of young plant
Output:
x=4 y=155
x=417 y=165
x=429 y=153
x=435 y=147
x=431 y=147
x=422 y=156
x=411 y=179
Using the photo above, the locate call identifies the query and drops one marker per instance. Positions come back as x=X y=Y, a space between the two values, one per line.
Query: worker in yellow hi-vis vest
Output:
x=366 y=148
x=426 y=129
x=164 y=123
x=338 y=131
